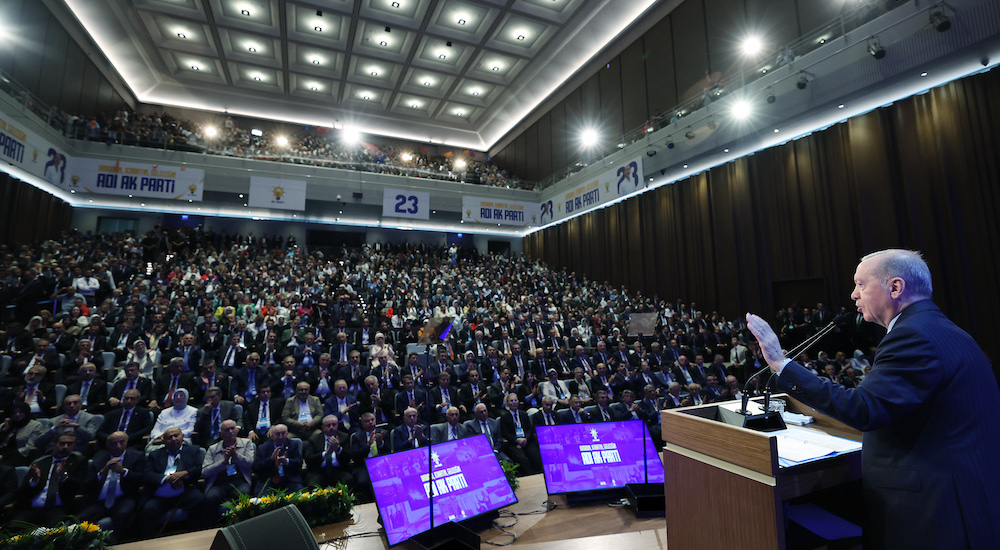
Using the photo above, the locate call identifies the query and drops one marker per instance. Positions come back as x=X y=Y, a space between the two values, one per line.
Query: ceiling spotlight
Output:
x=520 y=37
x=802 y=82
x=460 y=113
x=940 y=21
x=316 y=61
x=475 y=92
x=770 y=95
x=685 y=166
x=427 y=83
x=752 y=45
x=252 y=49
x=841 y=106
x=461 y=21
x=923 y=73
x=726 y=150
x=195 y=68
x=314 y=88
x=317 y=28
x=741 y=109
x=181 y=35
x=776 y=130
x=442 y=56
x=496 y=67
x=670 y=145
x=875 y=48
x=366 y=97
x=245 y=12
x=414 y=106
x=257 y=78
x=374 y=73
x=383 y=43
x=395 y=4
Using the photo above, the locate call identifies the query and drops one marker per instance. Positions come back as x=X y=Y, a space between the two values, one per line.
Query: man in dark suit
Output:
x=328 y=456
x=232 y=356
x=481 y=423
x=411 y=396
x=341 y=350
x=122 y=339
x=168 y=384
x=411 y=433
x=601 y=410
x=171 y=475
x=42 y=355
x=47 y=494
x=189 y=353
x=376 y=401
x=519 y=441
x=132 y=380
x=248 y=380
x=928 y=410
x=278 y=462
x=260 y=414
x=367 y=442
x=112 y=485
x=545 y=416
x=208 y=426
x=473 y=392
x=130 y=418
x=93 y=391
x=575 y=414
x=628 y=408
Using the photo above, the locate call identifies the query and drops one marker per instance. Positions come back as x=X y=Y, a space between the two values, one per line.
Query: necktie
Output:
x=576 y=416
x=548 y=420
x=84 y=391
x=124 y=421
x=229 y=357
x=604 y=414
x=216 y=422
x=29 y=394
x=454 y=433
x=55 y=477
x=416 y=443
x=263 y=410
x=109 y=498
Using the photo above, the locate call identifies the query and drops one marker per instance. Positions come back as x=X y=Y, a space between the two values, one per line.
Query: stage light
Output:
x=211 y=131
x=741 y=109
x=350 y=136
x=589 y=138
x=770 y=95
x=670 y=145
x=407 y=157
x=460 y=163
x=940 y=21
x=752 y=45
x=689 y=134
x=256 y=132
x=875 y=48
x=802 y=83
x=282 y=141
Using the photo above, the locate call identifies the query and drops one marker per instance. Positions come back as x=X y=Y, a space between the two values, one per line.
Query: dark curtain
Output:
x=29 y=215
x=790 y=223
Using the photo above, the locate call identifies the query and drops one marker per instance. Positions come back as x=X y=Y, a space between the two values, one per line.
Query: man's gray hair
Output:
x=908 y=265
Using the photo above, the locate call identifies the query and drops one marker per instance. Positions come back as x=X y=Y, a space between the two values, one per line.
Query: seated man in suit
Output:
x=260 y=414
x=519 y=441
x=695 y=396
x=328 y=455
x=248 y=380
x=344 y=405
x=278 y=464
x=600 y=412
x=132 y=380
x=73 y=419
x=93 y=391
x=47 y=494
x=411 y=396
x=410 y=433
x=450 y=429
x=673 y=397
x=303 y=412
x=628 y=408
x=375 y=401
x=443 y=396
x=545 y=416
x=367 y=442
x=130 y=418
x=171 y=475
x=650 y=406
x=168 y=384
x=113 y=482
x=473 y=392
x=209 y=377
x=481 y=423
x=575 y=414
x=286 y=379
x=227 y=468
x=208 y=424
x=232 y=356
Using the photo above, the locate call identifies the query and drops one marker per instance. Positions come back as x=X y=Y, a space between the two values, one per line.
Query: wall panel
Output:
x=633 y=87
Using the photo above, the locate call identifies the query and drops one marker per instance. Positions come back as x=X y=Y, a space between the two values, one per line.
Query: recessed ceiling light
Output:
x=841 y=106
x=374 y=73
x=520 y=37
x=181 y=35
x=257 y=78
x=383 y=43
x=776 y=130
x=496 y=67
x=685 y=166
x=313 y=88
x=317 y=28
x=195 y=68
x=442 y=56
x=366 y=97
x=315 y=61
x=460 y=113
x=427 y=83
x=395 y=4
x=414 y=106
x=923 y=73
x=475 y=92
x=245 y=12
x=461 y=21
x=726 y=150
x=252 y=49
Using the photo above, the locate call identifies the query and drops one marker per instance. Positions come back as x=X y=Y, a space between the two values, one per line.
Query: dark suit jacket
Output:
x=156 y=465
x=401 y=438
x=144 y=385
x=97 y=397
x=929 y=410
x=314 y=453
x=241 y=382
x=133 y=460
x=263 y=466
x=508 y=429
x=139 y=425
x=594 y=413
x=538 y=419
x=359 y=445
x=439 y=432
x=565 y=416
x=239 y=359
x=251 y=414
x=75 y=470
x=203 y=423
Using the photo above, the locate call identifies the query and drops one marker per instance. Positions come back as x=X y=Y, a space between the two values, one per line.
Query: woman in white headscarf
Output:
x=178 y=415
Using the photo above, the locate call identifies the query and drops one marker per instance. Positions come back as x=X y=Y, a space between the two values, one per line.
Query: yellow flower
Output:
x=90 y=527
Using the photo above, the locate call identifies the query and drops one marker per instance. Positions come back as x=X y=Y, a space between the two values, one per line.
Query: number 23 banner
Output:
x=405 y=203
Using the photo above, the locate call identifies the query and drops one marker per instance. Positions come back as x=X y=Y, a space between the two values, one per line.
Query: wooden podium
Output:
x=723 y=486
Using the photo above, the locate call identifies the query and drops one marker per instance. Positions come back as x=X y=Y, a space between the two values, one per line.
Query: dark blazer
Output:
x=144 y=385
x=239 y=359
x=565 y=416
x=193 y=357
x=251 y=414
x=263 y=466
x=133 y=460
x=203 y=423
x=139 y=426
x=594 y=412
x=156 y=465
x=508 y=429
x=401 y=437
x=359 y=445
x=473 y=427
x=97 y=397
x=241 y=382
x=75 y=470
x=314 y=453
x=929 y=411
x=439 y=432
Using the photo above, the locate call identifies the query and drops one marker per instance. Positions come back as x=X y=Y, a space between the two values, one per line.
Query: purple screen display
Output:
x=591 y=457
x=468 y=481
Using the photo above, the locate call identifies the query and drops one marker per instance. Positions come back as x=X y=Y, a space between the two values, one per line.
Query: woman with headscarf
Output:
x=178 y=415
x=18 y=433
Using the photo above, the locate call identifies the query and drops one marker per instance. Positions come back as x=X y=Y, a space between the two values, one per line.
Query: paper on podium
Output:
x=797 y=445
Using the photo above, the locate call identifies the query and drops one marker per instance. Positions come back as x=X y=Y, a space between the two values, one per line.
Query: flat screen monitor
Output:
x=598 y=456
x=468 y=482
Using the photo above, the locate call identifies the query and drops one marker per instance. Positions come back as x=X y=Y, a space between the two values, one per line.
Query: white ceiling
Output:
x=380 y=66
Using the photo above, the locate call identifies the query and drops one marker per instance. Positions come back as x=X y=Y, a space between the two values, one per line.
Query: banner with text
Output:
x=481 y=210
x=113 y=177
x=618 y=181
x=26 y=150
x=277 y=193
x=406 y=203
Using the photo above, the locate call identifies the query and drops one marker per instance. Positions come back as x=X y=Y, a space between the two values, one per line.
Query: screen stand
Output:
x=449 y=535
